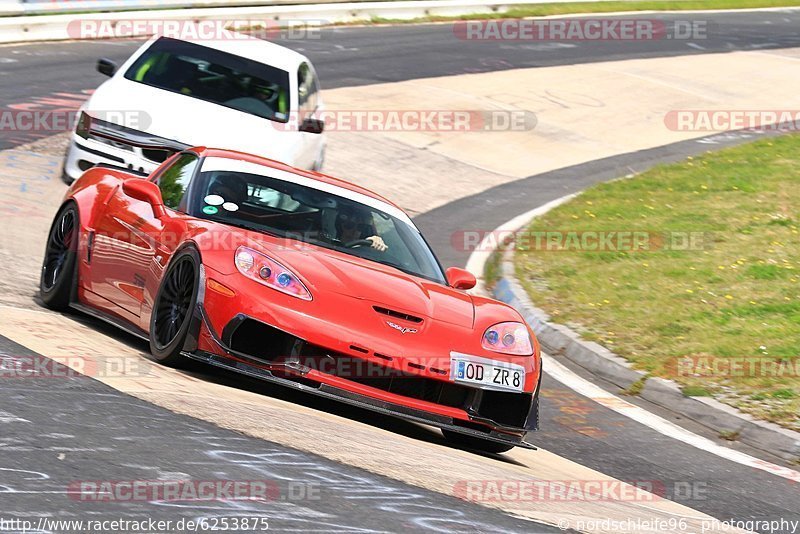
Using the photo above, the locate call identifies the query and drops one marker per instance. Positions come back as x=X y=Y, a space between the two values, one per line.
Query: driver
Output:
x=272 y=95
x=230 y=187
x=355 y=225
x=266 y=91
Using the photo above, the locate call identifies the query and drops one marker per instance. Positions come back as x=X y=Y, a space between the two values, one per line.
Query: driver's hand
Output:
x=377 y=243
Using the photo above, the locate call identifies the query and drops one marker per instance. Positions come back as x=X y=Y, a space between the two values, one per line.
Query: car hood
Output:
x=189 y=120
x=380 y=285
x=331 y=275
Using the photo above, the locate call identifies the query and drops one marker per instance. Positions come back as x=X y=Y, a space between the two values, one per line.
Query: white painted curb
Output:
x=559 y=341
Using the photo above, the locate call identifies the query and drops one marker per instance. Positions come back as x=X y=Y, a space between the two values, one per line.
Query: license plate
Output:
x=485 y=373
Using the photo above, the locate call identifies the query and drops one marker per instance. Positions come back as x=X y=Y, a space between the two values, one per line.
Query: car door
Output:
x=309 y=107
x=129 y=237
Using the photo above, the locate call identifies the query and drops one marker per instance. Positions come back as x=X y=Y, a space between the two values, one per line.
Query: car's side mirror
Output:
x=460 y=278
x=106 y=66
x=310 y=125
x=146 y=191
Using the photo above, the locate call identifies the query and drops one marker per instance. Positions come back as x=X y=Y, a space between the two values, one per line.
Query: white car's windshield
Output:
x=214 y=76
x=291 y=206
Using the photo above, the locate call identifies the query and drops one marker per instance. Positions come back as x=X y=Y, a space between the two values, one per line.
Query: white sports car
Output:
x=243 y=94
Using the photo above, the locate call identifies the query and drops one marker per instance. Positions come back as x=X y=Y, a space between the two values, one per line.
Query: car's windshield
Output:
x=291 y=206
x=214 y=76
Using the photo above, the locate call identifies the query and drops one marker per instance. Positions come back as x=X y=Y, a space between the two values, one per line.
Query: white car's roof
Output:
x=256 y=49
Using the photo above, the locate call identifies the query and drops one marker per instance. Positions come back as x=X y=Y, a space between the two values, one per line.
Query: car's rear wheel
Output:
x=470 y=442
x=58 y=267
x=173 y=308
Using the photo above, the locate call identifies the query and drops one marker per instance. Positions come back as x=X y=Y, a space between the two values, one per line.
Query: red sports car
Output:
x=298 y=278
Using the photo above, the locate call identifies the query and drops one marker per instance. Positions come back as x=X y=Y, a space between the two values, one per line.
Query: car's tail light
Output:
x=265 y=270
x=508 y=338
x=83 y=126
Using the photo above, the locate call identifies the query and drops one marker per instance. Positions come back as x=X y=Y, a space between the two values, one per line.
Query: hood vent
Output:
x=397 y=314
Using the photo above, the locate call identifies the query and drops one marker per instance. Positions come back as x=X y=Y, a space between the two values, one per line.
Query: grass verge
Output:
x=710 y=297
x=492 y=270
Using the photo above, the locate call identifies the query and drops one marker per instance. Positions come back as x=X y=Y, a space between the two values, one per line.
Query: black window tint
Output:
x=214 y=76
x=294 y=211
x=174 y=181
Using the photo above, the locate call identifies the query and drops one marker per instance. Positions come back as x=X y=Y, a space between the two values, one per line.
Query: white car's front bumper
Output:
x=84 y=154
x=105 y=142
x=115 y=145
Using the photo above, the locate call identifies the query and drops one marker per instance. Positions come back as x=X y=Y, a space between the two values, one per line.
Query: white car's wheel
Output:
x=66 y=178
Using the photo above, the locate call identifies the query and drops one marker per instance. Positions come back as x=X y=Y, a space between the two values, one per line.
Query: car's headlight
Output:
x=84 y=125
x=508 y=338
x=265 y=270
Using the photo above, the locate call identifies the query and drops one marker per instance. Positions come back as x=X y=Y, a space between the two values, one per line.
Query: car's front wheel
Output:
x=173 y=308
x=470 y=442
x=66 y=178
x=58 y=267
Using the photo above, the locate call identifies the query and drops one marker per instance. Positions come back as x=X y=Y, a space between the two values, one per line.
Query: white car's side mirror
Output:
x=310 y=125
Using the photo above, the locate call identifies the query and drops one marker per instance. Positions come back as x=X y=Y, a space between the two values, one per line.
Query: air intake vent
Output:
x=397 y=314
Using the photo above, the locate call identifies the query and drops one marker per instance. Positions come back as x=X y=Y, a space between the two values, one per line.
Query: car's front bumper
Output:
x=205 y=344
x=116 y=145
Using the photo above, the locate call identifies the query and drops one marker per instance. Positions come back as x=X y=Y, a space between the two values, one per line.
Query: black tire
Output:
x=58 y=268
x=66 y=178
x=173 y=308
x=470 y=442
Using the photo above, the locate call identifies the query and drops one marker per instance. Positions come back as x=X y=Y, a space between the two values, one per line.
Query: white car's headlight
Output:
x=83 y=125
x=508 y=338
x=265 y=270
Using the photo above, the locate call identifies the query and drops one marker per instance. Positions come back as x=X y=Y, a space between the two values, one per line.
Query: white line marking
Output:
x=660 y=425
x=6 y=417
x=475 y=264
x=480 y=255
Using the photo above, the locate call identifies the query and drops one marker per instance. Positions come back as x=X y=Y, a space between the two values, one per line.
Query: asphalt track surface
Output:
x=52 y=75
x=601 y=439
x=111 y=436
